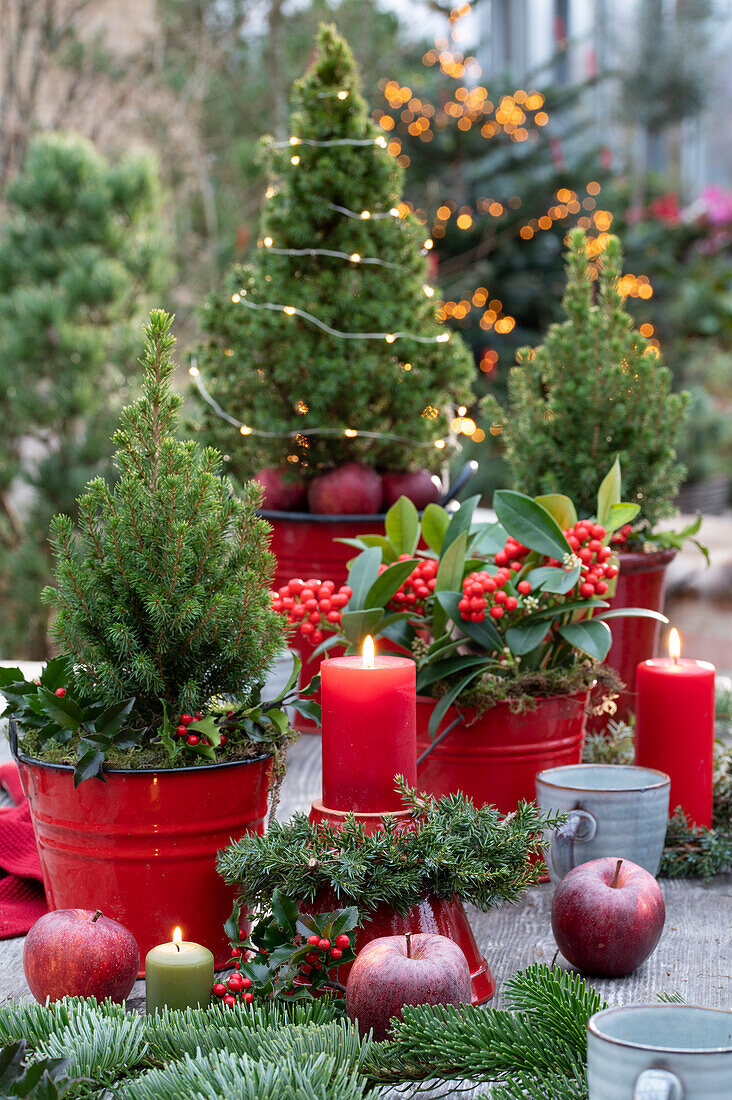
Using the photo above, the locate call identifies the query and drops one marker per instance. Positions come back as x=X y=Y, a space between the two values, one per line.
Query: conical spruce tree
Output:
x=592 y=391
x=164 y=593
x=369 y=356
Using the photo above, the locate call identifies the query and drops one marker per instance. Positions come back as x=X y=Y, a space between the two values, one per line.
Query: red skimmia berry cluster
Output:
x=308 y=603
x=485 y=592
x=621 y=537
x=585 y=539
x=412 y=593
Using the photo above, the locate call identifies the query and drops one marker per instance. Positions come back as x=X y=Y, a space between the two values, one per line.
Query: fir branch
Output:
x=238 y=1077
x=455 y=850
x=692 y=851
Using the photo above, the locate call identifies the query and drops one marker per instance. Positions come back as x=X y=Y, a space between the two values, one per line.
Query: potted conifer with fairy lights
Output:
x=324 y=351
x=594 y=391
x=145 y=746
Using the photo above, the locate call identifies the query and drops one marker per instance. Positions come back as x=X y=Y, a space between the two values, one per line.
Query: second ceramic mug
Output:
x=660 y=1052
x=612 y=810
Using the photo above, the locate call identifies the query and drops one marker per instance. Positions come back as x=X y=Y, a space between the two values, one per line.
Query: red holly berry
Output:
x=248 y=997
x=246 y=982
x=192 y=739
x=60 y=692
x=181 y=730
x=223 y=739
x=343 y=941
x=186 y=719
x=497 y=612
x=600 y=588
x=229 y=1001
x=524 y=587
x=336 y=953
x=305 y=968
x=313 y=940
x=219 y=990
x=197 y=715
x=324 y=945
x=311 y=957
x=587 y=590
x=234 y=983
x=236 y=952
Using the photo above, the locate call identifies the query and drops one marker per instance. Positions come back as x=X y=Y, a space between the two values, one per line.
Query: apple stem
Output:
x=97 y=915
x=408 y=938
x=614 y=883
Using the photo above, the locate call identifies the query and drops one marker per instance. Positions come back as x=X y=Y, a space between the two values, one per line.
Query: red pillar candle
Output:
x=369 y=731
x=674 y=727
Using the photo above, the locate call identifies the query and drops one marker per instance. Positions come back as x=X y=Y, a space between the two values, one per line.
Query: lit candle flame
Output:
x=177 y=937
x=674 y=645
x=367 y=652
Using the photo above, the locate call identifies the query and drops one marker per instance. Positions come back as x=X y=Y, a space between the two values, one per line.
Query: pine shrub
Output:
x=593 y=391
x=282 y=373
x=81 y=249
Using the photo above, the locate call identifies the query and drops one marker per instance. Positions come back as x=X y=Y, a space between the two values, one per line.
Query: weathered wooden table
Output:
x=693 y=958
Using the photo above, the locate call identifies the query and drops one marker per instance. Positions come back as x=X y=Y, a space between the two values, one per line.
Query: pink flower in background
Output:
x=716 y=205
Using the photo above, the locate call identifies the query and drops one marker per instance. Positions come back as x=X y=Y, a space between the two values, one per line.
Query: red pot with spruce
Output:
x=141 y=846
x=641 y=583
x=493 y=757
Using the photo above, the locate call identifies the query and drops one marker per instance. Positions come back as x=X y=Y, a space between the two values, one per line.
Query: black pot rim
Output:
x=313 y=517
x=33 y=761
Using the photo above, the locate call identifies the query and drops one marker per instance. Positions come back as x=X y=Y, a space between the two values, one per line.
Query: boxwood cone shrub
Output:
x=81 y=251
x=161 y=604
x=356 y=274
x=593 y=391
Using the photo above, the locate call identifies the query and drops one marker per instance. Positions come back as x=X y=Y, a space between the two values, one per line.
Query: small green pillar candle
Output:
x=178 y=975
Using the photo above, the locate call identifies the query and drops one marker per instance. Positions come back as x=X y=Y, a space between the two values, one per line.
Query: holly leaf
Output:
x=111 y=720
x=386 y=584
x=618 y=515
x=357 y=624
x=89 y=763
x=56 y=673
x=233 y=922
x=63 y=709
x=524 y=637
x=284 y=911
x=365 y=541
x=485 y=633
x=550 y=578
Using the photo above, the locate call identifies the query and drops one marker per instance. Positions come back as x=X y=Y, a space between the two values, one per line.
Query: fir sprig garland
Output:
x=454 y=850
x=299 y=1050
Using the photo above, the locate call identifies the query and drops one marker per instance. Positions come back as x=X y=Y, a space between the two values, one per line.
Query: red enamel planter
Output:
x=304 y=545
x=141 y=846
x=445 y=917
x=493 y=758
x=641 y=583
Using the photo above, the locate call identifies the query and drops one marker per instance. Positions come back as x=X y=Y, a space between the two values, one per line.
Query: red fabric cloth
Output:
x=22 y=900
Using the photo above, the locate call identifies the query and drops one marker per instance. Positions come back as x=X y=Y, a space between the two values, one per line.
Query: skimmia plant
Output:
x=512 y=609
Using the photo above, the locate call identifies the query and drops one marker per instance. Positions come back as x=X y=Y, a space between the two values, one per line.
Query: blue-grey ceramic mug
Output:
x=612 y=810
x=660 y=1052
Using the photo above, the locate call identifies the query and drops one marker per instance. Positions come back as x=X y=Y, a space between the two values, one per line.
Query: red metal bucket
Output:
x=493 y=758
x=435 y=915
x=641 y=583
x=304 y=546
x=142 y=845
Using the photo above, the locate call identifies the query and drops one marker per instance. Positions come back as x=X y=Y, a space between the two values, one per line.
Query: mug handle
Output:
x=658 y=1084
x=564 y=839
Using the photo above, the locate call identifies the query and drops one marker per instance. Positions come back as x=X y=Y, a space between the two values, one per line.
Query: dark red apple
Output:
x=352 y=489
x=283 y=490
x=393 y=971
x=607 y=916
x=80 y=953
x=419 y=486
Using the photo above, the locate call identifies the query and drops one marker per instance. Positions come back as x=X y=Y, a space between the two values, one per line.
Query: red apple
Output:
x=393 y=971
x=419 y=486
x=607 y=916
x=283 y=490
x=352 y=489
x=80 y=953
